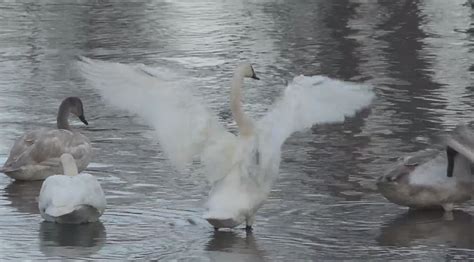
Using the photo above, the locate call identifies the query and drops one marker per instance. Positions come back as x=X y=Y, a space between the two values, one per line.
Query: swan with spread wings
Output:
x=240 y=168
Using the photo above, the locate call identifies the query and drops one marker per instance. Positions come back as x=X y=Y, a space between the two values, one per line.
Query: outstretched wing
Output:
x=308 y=101
x=184 y=127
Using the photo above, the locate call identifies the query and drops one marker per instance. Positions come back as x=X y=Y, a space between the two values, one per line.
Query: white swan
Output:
x=242 y=168
x=35 y=155
x=433 y=178
x=71 y=198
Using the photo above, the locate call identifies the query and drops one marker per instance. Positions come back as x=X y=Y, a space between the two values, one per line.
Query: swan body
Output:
x=433 y=178
x=71 y=198
x=240 y=168
x=236 y=197
x=35 y=155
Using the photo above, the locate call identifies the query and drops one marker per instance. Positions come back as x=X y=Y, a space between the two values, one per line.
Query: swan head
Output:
x=246 y=70
x=76 y=108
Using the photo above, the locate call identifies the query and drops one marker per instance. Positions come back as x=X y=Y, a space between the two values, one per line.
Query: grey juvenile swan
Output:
x=35 y=155
x=433 y=178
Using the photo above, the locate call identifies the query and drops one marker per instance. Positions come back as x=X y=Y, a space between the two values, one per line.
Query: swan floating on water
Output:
x=35 y=155
x=433 y=178
x=71 y=198
x=240 y=168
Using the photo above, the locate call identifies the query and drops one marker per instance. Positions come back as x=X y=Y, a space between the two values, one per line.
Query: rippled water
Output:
x=418 y=55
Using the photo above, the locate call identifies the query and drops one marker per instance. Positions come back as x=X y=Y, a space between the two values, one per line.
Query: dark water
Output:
x=418 y=54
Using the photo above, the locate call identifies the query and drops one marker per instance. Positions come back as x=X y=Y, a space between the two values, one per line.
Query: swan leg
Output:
x=248 y=228
x=448 y=216
x=249 y=222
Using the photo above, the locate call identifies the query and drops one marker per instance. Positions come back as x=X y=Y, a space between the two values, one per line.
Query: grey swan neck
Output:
x=63 y=115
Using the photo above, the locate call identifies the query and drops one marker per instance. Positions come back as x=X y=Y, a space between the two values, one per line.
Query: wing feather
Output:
x=184 y=127
x=312 y=100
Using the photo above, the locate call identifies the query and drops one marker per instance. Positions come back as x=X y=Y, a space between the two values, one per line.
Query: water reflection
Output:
x=67 y=240
x=23 y=195
x=231 y=246
x=429 y=227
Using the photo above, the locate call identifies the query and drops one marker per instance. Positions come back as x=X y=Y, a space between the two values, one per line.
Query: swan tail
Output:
x=7 y=169
x=56 y=211
x=222 y=220
x=395 y=175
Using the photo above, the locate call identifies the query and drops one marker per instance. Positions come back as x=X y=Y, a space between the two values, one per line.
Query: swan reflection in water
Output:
x=232 y=246
x=22 y=195
x=429 y=227
x=70 y=240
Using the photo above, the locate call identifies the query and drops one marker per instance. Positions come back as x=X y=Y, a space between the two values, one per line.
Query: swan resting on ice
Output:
x=433 y=178
x=240 y=168
x=35 y=155
x=71 y=198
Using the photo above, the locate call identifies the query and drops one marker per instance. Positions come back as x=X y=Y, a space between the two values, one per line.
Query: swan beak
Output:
x=255 y=77
x=83 y=119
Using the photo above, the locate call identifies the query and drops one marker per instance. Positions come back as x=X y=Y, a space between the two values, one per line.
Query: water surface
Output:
x=418 y=55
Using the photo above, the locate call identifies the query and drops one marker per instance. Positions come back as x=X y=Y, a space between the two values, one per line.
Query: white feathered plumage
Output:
x=72 y=197
x=242 y=168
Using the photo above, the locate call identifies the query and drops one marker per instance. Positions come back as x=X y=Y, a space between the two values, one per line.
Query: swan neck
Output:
x=70 y=168
x=244 y=123
x=63 y=115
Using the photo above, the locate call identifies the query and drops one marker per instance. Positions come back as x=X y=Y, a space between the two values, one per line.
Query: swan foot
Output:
x=249 y=222
x=248 y=229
